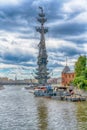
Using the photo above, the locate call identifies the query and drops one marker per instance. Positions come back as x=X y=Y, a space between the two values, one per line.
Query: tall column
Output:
x=42 y=71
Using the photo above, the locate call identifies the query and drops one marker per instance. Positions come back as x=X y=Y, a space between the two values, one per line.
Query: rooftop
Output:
x=66 y=69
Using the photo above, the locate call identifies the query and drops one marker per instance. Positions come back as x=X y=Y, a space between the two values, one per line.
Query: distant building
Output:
x=67 y=76
x=27 y=80
x=31 y=81
x=55 y=81
x=34 y=80
x=3 y=79
x=11 y=80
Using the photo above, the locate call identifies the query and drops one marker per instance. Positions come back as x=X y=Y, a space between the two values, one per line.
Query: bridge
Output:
x=17 y=83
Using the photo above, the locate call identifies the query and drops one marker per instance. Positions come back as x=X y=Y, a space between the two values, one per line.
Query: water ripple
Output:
x=20 y=110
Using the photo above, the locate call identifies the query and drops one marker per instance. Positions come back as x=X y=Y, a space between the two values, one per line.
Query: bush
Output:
x=80 y=82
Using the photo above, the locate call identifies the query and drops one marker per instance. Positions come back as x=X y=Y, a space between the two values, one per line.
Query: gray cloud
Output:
x=21 y=20
x=68 y=29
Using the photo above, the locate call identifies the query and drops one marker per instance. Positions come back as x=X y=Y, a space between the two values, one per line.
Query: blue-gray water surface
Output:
x=20 y=110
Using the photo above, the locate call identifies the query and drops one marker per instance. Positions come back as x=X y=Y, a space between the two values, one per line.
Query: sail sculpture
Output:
x=42 y=74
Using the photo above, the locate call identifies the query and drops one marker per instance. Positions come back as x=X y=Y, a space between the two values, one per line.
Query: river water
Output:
x=20 y=110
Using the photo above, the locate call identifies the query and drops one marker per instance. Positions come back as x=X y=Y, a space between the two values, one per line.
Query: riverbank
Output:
x=81 y=92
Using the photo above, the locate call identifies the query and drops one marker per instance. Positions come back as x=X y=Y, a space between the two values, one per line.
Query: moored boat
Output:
x=75 y=99
x=43 y=91
x=63 y=94
x=60 y=94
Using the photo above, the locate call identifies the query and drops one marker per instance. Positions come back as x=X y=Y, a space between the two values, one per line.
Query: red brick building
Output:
x=67 y=76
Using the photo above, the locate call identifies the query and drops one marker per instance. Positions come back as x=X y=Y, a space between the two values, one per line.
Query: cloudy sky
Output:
x=67 y=36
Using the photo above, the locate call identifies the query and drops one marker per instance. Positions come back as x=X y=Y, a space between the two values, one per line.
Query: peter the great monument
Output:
x=42 y=74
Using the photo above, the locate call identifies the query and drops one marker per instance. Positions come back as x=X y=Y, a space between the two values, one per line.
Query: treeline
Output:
x=80 y=79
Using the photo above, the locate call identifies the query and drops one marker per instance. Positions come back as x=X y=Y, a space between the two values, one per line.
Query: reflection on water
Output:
x=20 y=110
x=42 y=115
x=61 y=116
x=82 y=115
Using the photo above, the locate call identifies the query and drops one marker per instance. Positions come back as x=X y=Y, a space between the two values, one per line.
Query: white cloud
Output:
x=85 y=47
x=53 y=43
x=14 y=45
x=9 y=2
x=81 y=18
x=40 y=2
x=74 y=6
x=22 y=72
x=6 y=66
x=77 y=37
x=56 y=43
x=55 y=23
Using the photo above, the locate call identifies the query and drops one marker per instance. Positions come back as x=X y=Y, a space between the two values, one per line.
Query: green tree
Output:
x=80 y=66
x=85 y=73
x=80 y=82
x=80 y=79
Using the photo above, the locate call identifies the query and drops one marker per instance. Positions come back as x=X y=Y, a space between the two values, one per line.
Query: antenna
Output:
x=66 y=60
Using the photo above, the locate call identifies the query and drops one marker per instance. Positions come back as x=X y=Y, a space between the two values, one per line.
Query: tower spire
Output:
x=42 y=71
x=66 y=60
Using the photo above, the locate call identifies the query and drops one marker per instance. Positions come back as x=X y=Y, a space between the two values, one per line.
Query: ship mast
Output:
x=42 y=71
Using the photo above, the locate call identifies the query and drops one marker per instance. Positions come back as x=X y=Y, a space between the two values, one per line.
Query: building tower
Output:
x=67 y=75
x=42 y=71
